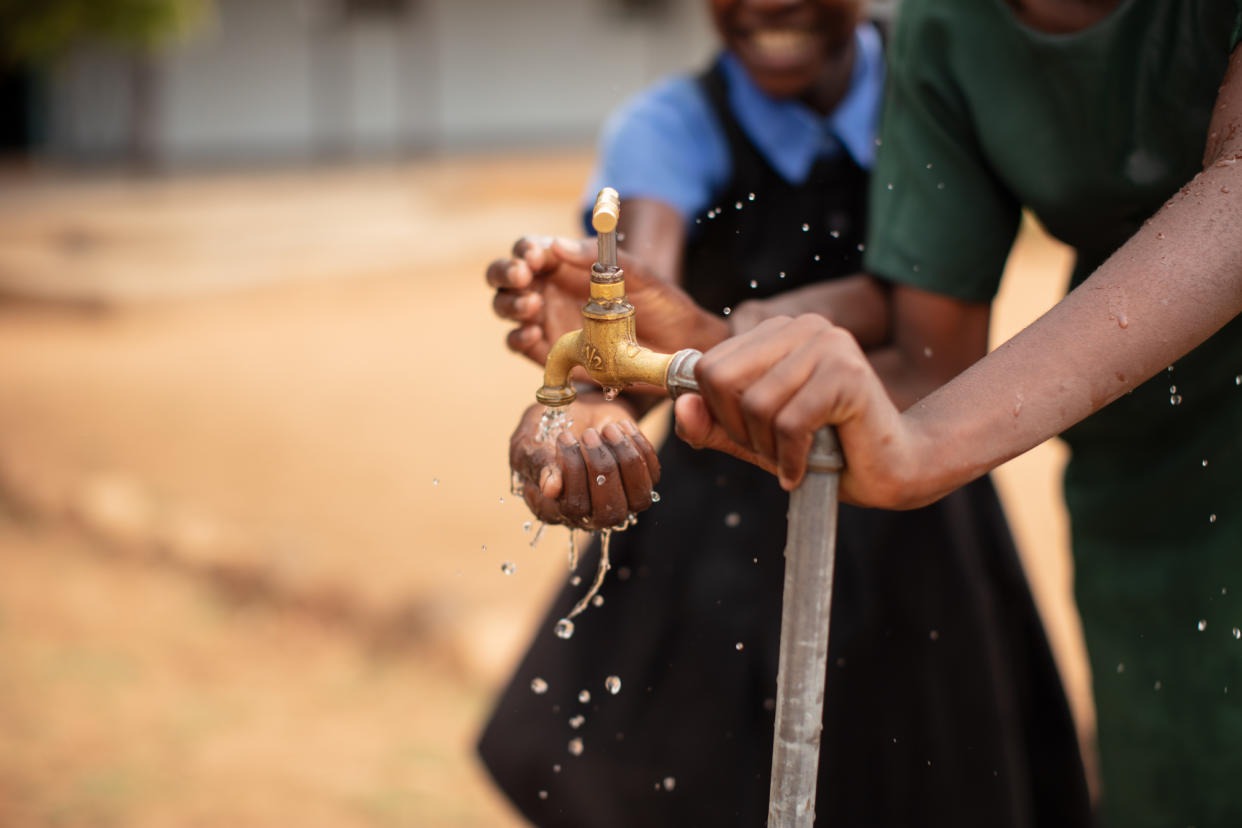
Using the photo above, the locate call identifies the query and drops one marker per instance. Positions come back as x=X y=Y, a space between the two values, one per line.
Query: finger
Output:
x=514 y=274
x=634 y=477
x=535 y=252
x=544 y=508
x=529 y=341
x=580 y=252
x=724 y=373
x=608 y=501
x=836 y=394
x=519 y=306
x=767 y=396
x=648 y=452
x=575 y=499
x=694 y=424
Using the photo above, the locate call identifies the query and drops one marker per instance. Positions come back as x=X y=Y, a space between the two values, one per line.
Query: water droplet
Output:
x=534 y=541
x=485 y=547
x=929 y=166
x=435 y=481
x=1176 y=399
x=817 y=257
x=1224 y=190
x=781 y=275
x=1121 y=668
x=584 y=696
x=515 y=483
x=927 y=351
x=543 y=794
x=934 y=635
x=753 y=284
x=727 y=310
x=1157 y=685
x=508 y=568
x=750 y=196
x=940 y=185
x=861 y=247
x=1237 y=380
x=669 y=783
x=1204 y=463
x=769 y=704
x=623 y=574
x=806 y=228
x=564 y=628
x=1202 y=625
x=538 y=686
x=1237 y=633
x=890 y=185
x=556 y=768
x=738 y=646
x=1170 y=369
x=597 y=601
x=576 y=721
x=613 y=685
x=732 y=519
x=526 y=526
x=502 y=500
x=1212 y=518
x=1172 y=389
x=575 y=581
x=611 y=393
x=575 y=747
x=599 y=479
x=655 y=496
x=836 y=234
x=738 y=206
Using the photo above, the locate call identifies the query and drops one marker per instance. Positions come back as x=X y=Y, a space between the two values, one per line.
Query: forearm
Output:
x=858 y=303
x=1169 y=288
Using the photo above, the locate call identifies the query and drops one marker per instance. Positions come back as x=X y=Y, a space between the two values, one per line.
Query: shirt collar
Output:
x=792 y=136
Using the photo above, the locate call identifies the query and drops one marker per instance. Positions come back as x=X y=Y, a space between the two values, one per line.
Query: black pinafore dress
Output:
x=943 y=705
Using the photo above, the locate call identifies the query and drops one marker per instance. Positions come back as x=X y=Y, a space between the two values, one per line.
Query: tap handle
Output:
x=607 y=211
x=604 y=219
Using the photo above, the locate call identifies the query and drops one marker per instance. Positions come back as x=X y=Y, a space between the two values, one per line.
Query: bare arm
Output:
x=1169 y=288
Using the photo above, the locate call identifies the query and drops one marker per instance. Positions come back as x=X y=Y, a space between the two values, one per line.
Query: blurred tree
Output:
x=40 y=30
x=35 y=33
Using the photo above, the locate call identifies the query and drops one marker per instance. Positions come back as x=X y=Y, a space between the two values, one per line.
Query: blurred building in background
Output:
x=282 y=80
x=300 y=80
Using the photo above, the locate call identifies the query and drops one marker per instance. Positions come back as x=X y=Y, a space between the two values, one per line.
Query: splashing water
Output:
x=584 y=696
x=538 y=686
x=573 y=550
x=732 y=520
x=565 y=628
x=1237 y=633
x=1202 y=625
x=516 y=485
x=600 y=479
x=508 y=567
x=806 y=228
x=538 y=535
x=553 y=422
x=669 y=783
x=597 y=601
x=611 y=393
x=435 y=481
x=613 y=684
x=575 y=747
x=543 y=794
x=605 y=536
x=655 y=496
x=577 y=721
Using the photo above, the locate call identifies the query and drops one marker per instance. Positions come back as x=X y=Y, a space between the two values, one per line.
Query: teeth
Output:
x=783 y=43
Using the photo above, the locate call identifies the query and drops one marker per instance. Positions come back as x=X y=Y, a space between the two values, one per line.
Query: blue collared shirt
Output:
x=666 y=144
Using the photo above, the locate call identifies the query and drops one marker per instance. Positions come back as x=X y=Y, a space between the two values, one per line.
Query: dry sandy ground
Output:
x=253 y=494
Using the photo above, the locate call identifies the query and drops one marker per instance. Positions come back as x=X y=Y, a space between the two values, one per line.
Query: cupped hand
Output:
x=592 y=475
x=764 y=394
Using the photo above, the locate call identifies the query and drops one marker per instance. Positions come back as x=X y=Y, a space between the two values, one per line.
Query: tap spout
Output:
x=605 y=347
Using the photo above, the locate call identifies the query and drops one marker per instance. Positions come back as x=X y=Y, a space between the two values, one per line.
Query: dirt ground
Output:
x=253 y=491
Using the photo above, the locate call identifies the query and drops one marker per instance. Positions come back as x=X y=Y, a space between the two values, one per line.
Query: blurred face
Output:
x=790 y=47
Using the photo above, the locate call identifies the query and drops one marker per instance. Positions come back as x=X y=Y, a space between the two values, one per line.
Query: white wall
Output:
x=274 y=79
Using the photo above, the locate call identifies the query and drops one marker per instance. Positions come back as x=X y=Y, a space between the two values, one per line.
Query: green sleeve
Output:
x=939 y=217
x=1237 y=28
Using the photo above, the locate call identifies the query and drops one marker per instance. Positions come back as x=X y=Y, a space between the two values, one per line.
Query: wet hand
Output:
x=592 y=475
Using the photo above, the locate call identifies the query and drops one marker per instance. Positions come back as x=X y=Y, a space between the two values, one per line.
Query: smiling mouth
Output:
x=782 y=45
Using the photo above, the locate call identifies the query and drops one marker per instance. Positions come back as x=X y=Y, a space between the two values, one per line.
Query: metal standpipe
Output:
x=810 y=554
x=806 y=607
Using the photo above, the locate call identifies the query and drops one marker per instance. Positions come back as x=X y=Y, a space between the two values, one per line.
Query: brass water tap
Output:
x=605 y=346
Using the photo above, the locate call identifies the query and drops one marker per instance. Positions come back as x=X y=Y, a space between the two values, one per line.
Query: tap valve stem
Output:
x=604 y=219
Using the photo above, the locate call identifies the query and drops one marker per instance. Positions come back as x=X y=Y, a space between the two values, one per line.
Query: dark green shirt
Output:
x=1093 y=132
